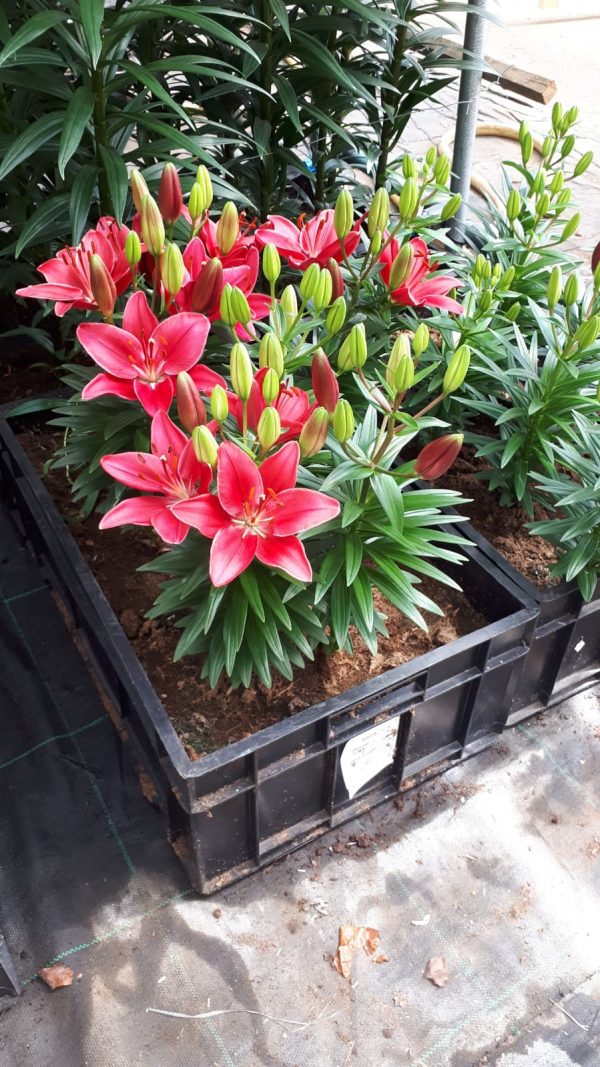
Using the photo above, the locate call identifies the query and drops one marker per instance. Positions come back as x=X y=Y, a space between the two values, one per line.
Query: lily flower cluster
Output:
x=274 y=437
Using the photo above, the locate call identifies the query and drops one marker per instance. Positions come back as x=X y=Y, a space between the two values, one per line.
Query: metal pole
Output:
x=466 y=115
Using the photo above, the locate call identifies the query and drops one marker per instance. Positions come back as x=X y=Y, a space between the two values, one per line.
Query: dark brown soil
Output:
x=204 y=718
x=503 y=527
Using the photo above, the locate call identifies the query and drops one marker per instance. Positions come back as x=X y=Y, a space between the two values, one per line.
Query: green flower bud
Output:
x=313 y=434
x=139 y=189
x=506 y=279
x=485 y=302
x=420 y=340
x=587 y=333
x=571 y=116
x=309 y=281
x=523 y=131
x=571 y=292
x=376 y=243
x=582 y=164
x=343 y=216
x=379 y=212
x=240 y=371
x=203 y=180
x=353 y=352
x=404 y=375
x=478 y=268
x=567 y=146
x=570 y=227
x=542 y=205
x=402 y=266
x=400 y=351
x=548 y=147
x=430 y=155
x=289 y=305
x=271 y=263
x=234 y=307
x=526 y=148
x=554 y=289
x=409 y=197
x=270 y=386
x=539 y=182
x=513 y=312
x=513 y=205
x=336 y=316
x=270 y=354
x=557 y=182
x=598 y=392
x=456 y=371
x=219 y=404
x=324 y=290
x=557 y=117
x=152 y=226
x=133 y=249
x=563 y=198
x=172 y=269
x=451 y=207
x=441 y=170
x=268 y=430
x=409 y=167
x=204 y=445
x=228 y=228
x=196 y=202
x=343 y=421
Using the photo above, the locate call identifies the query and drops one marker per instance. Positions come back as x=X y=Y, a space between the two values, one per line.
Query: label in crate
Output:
x=366 y=755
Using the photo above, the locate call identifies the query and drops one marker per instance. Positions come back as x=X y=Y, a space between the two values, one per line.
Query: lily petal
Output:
x=204 y=513
x=230 y=554
x=106 y=385
x=138 y=511
x=169 y=527
x=180 y=340
x=192 y=471
x=280 y=470
x=297 y=510
x=206 y=379
x=238 y=479
x=154 y=397
x=138 y=319
x=286 y=554
x=111 y=348
x=166 y=437
x=138 y=470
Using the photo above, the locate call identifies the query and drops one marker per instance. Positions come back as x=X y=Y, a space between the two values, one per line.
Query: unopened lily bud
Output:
x=570 y=227
x=139 y=189
x=102 y=285
x=234 y=306
x=441 y=170
x=571 y=292
x=376 y=243
x=324 y=382
x=152 y=226
x=379 y=212
x=557 y=116
x=240 y=371
x=587 y=333
x=343 y=216
x=289 y=305
x=323 y=291
x=309 y=281
x=567 y=146
x=563 y=198
x=451 y=207
x=270 y=386
x=206 y=291
x=228 y=228
x=523 y=130
x=133 y=249
x=526 y=148
x=196 y=202
x=190 y=405
x=554 y=289
x=172 y=269
x=542 y=205
x=582 y=164
x=436 y=458
x=539 y=182
x=496 y=275
x=270 y=354
x=400 y=349
x=571 y=116
x=456 y=371
x=408 y=199
x=404 y=375
x=343 y=421
x=271 y=263
x=402 y=266
x=409 y=167
x=353 y=352
x=268 y=430
x=485 y=301
x=420 y=340
x=337 y=282
x=596 y=266
x=430 y=155
x=203 y=180
x=513 y=205
x=205 y=447
x=313 y=434
x=548 y=147
x=557 y=182
x=170 y=196
x=479 y=267
x=598 y=392
x=219 y=404
x=336 y=316
x=506 y=279
x=513 y=312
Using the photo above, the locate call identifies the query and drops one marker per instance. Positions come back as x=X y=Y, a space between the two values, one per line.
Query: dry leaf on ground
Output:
x=351 y=938
x=57 y=976
x=436 y=971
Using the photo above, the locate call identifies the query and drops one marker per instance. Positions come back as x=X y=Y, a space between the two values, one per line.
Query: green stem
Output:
x=266 y=103
x=101 y=141
x=387 y=100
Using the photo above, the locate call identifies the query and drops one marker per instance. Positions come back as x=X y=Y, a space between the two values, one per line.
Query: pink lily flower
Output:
x=257 y=512
x=238 y=254
x=142 y=359
x=171 y=471
x=419 y=290
x=305 y=243
x=243 y=274
x=293 y=406
x=68 y=274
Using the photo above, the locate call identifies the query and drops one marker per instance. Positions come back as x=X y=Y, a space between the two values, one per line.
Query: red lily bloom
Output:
x=171 y=471
x=238 y=254
x=243 y=274
x=142 y=359
x=68 y=274
x=257 y=513
x=419 y=290
x=293 y=405
x=303 y=244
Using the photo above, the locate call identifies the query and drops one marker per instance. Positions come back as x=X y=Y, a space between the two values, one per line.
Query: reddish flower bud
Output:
x=324 y=382
x=313 y=434
x=102 y=285
x=336 y=278
x=208 y=286
x=438 y=456
x=170 y=196
x=190 y=406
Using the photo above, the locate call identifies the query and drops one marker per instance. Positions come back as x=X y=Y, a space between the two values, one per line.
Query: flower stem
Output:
x=101 y=141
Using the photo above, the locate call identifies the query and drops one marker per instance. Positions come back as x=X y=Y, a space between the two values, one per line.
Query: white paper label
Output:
x=580 y=644
x=366 y=755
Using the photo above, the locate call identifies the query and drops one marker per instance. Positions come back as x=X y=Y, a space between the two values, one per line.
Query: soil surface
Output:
x=26 y=369
x=503 y=527
x=206 y=719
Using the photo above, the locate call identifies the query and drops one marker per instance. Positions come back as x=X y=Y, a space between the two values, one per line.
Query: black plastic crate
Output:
x=238 y=808
x=564 y=657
